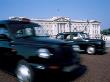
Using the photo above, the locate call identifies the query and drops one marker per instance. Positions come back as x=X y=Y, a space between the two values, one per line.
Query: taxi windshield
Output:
x=30 y=29
x=84 y=35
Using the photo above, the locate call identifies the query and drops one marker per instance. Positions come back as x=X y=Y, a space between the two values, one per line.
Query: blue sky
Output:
x=75 y=9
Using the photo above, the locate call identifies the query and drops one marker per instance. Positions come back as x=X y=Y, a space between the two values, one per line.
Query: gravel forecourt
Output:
x=98 y=69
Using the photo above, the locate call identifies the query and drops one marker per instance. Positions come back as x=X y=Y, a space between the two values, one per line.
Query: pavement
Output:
x=98 y=68
x=107 y=43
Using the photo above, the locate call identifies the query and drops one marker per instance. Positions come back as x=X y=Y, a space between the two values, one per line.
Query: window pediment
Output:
x=61 y=20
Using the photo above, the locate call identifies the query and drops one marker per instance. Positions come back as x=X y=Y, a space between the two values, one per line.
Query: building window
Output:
x=67 y=25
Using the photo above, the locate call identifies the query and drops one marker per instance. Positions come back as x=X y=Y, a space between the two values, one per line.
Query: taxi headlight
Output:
x=76 y=48
x=44 y=53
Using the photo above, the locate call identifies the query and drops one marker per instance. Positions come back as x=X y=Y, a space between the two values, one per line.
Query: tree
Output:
x=106 y=31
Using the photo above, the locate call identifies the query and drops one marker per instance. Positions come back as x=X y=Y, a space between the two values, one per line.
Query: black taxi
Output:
x=28 y=53
x=84 y=42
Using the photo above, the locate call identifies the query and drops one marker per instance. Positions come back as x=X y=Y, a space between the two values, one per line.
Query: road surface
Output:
x=98 y=69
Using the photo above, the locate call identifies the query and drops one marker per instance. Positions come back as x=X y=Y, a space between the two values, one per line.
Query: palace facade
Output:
x=57 y=25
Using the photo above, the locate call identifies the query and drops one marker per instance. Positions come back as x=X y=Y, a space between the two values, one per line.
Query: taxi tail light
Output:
x=54 y=67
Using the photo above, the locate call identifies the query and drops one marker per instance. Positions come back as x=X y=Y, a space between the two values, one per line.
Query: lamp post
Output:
x=70 y=25
x=85 y=29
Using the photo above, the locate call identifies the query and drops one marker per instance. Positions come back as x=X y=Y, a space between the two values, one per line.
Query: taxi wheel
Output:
x=23 y=72
x=91 y=50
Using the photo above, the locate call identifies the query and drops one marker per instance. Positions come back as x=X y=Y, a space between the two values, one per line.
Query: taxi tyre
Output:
x=91 y=50
x=26 y=74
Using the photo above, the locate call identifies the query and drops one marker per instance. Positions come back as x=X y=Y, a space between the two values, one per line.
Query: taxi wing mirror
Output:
x=4 y=37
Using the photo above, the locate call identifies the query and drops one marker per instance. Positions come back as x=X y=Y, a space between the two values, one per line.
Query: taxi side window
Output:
x=24 y=32
x=4 y=33
x=75 y=36
x=68 y=37
x=4 y=30
x=60 y=37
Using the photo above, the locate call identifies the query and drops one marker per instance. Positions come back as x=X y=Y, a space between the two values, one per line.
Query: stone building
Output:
x=57 y=25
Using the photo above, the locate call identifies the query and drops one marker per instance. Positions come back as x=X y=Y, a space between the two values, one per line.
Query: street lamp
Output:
x=70 y=25
x=85 y=29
